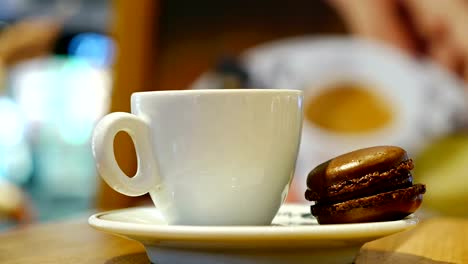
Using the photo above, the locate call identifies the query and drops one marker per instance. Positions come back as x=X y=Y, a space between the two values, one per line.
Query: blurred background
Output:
x=373 y=73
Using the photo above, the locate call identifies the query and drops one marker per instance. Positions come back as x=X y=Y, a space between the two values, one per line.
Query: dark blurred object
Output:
x=228 y=73
x=232 y=73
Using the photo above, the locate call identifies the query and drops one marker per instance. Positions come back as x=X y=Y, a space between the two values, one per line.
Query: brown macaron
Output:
x=366 y=185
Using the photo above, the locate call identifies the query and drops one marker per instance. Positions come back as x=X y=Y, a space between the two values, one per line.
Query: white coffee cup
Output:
x=207 y=157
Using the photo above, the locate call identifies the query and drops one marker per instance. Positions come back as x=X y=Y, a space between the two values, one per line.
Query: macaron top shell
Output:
x=355 y=165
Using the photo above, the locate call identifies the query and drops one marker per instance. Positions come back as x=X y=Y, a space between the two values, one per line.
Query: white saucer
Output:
x=294 y=237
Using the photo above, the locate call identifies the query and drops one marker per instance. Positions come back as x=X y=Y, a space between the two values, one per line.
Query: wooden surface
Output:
x=67 y=242
x=438 y=240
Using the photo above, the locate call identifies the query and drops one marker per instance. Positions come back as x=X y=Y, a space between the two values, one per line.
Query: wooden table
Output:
x=437 y=240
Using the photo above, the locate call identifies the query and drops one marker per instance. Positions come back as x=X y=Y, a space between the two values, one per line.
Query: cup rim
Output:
x=218 y=91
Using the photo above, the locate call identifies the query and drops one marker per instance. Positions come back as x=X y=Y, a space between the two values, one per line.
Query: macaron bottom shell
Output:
x=387 y=206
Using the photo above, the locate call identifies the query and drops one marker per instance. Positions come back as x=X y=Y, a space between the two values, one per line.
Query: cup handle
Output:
x=147 y=175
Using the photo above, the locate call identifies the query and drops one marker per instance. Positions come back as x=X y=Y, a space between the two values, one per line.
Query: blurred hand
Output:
x=27 y=39
x=15 y=204
x=440 y=26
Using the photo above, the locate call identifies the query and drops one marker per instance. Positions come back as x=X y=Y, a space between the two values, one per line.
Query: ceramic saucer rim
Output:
x=309 y=232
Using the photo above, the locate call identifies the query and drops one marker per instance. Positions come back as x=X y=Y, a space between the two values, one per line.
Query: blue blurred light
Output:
x=97 y=48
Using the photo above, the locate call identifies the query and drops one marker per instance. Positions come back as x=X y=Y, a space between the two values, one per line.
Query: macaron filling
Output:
x=391 y=205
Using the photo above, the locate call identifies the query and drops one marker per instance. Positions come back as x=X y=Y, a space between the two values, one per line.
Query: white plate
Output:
x=411 y=86
x=294 y=237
